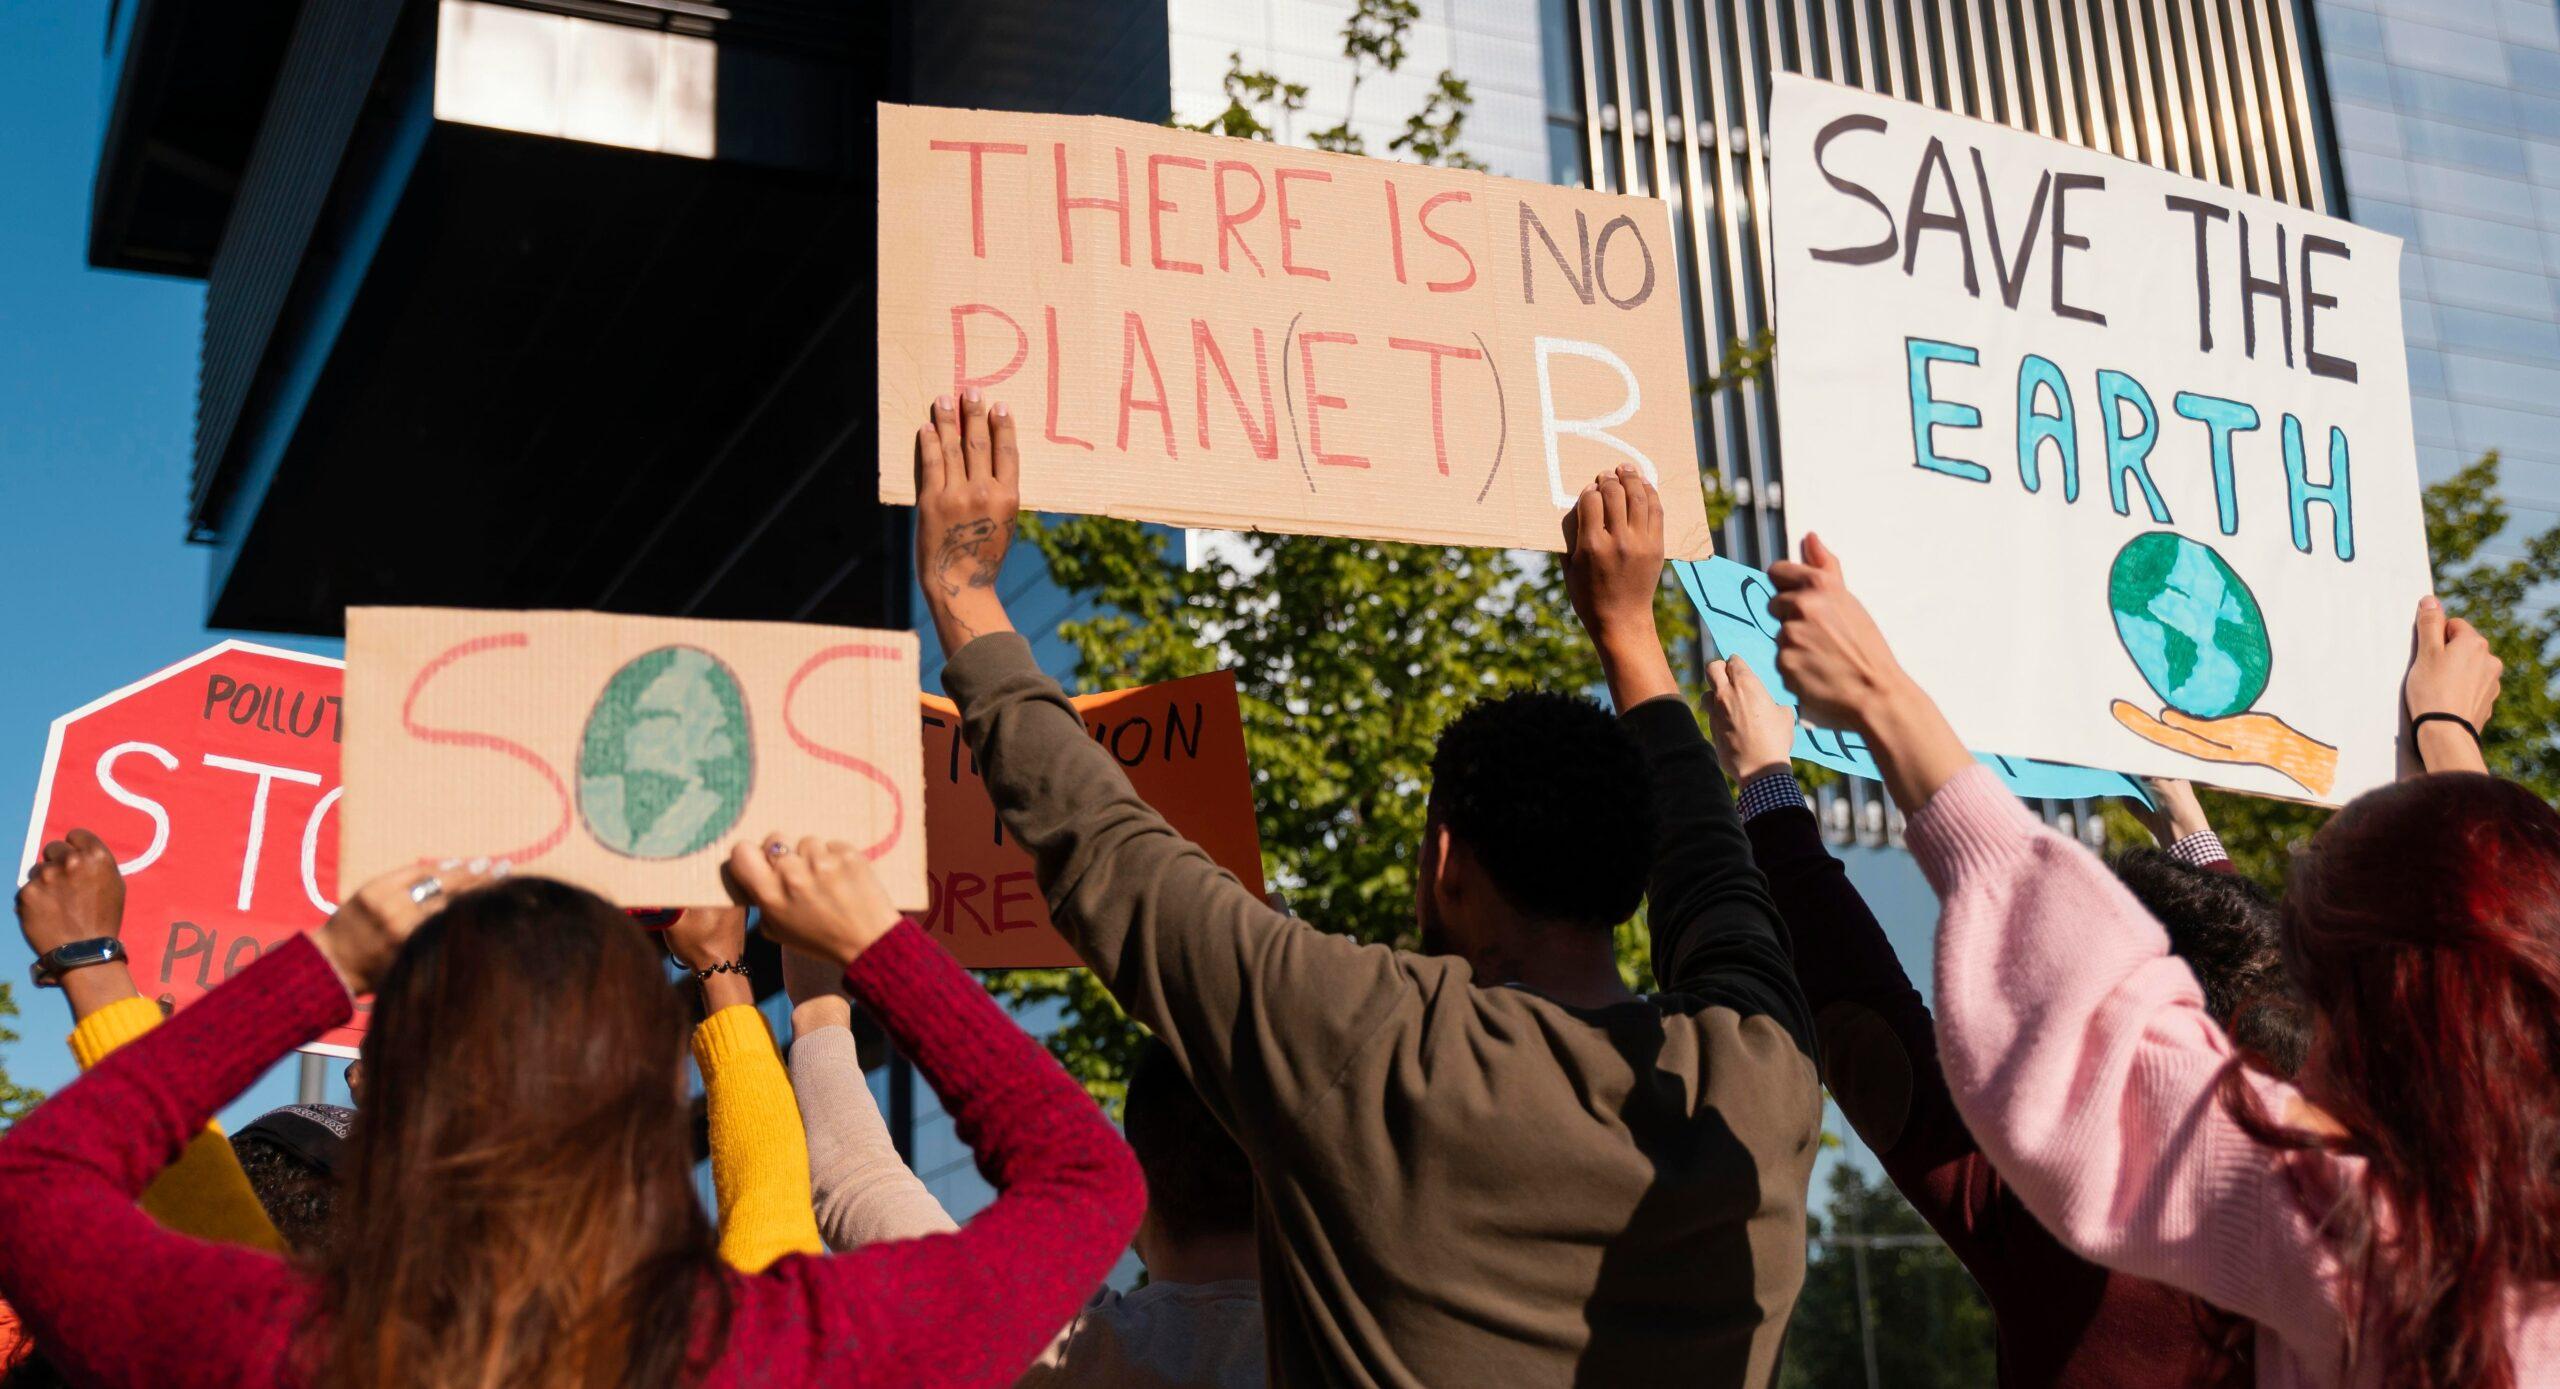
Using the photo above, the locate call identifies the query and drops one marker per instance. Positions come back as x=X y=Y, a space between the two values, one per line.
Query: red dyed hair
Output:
x=2423 y=928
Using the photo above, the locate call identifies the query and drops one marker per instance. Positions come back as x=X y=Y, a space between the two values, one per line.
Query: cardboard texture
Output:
x=1213 y=332
x=1182 y=744
x=2120 y=460
x=214 y=782
x=626 y=754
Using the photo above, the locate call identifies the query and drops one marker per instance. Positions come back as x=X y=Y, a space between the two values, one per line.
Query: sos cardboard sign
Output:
x=626 y=754
x=215 y=784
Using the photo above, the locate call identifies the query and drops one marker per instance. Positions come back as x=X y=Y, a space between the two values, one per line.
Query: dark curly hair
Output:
x=1198 y=1181
x=1549 y=792
x=300 y=1198
x=2228 y=931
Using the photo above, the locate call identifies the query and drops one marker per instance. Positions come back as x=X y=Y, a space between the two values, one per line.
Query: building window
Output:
x=1561 y=47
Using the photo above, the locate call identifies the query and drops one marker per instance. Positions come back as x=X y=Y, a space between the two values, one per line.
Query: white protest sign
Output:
x=2120 y=460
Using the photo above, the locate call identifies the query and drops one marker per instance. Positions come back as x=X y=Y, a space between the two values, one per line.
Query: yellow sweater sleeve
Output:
x=204 y=1193
x=759 y=1155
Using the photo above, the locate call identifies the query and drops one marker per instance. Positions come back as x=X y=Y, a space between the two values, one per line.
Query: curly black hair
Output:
x=1198 y=1181
x=300 y=1198
x=2227 y=930
x=1549 y=792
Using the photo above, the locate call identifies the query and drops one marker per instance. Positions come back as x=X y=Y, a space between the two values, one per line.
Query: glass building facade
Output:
x=2447 y=115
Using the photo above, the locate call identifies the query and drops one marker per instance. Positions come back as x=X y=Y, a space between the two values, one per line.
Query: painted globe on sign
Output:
x=2192 y=627
x=667 y=760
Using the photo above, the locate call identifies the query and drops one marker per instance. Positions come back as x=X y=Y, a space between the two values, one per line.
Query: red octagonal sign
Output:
x=215 y=782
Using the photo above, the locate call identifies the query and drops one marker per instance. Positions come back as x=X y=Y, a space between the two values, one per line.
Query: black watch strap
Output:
x=50 y=966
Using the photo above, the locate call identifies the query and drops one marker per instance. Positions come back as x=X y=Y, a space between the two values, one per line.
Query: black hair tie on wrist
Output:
x=2456 y=720
x=724 y=967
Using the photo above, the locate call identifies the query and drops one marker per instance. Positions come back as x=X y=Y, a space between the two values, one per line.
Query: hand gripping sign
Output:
x=215 y=784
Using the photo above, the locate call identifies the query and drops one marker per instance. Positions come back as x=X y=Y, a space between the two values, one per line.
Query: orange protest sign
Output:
x=1182 y=744
x=625 y=754
x=1215 y=332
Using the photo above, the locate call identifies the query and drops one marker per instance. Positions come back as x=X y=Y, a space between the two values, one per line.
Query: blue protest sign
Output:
x=1733 y=604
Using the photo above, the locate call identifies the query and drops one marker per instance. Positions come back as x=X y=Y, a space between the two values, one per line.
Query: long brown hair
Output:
x=2423 y=929
x=519 y=1209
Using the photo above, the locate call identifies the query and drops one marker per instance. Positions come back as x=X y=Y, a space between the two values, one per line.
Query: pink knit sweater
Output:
x=2081 y=1056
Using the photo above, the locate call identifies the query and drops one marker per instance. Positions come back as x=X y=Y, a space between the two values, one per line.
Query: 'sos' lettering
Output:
x=490 y=742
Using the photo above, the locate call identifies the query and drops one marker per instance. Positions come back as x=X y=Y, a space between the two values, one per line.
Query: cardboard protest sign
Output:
x=1733 y=604
x=626 y=754
x=214 y=782
x=2120 y=460
x=1213 y=332
x=1182 y=744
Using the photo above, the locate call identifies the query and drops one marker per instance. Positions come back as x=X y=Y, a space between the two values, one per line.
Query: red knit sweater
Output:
x=116 y=1300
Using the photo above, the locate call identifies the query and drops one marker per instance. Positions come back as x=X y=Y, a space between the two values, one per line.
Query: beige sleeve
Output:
x=862 y=1192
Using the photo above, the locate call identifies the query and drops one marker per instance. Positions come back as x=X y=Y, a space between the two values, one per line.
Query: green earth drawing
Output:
x=2190 y=624
x=667 y=759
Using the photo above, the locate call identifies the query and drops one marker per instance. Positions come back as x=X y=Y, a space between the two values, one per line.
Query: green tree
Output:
x=1929 y=1325
x=2463 y=515
x=1373 y=38
x=15 y=1099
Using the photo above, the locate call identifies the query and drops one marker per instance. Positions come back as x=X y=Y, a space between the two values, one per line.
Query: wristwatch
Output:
x=79 y=954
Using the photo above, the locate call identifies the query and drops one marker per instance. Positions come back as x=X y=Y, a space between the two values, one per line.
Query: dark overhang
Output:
x=446 y=363
x=188 y=84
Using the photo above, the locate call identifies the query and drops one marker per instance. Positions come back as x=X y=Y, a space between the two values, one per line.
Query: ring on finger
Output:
x=425 y=890
x=777 y=849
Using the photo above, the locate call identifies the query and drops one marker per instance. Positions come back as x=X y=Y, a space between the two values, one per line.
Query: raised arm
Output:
x=74 y=893
x=972 y=1307
x=1261 y=1010
x=863 y=1191
x=2178 y=824
x=1879 y=1048
x=132 y=1309
x=2451 y=691
x=759 y=1157
x=1716 y=932
x=2077 y=1049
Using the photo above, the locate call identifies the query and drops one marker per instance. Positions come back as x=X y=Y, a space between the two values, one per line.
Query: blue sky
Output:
x=97 y=415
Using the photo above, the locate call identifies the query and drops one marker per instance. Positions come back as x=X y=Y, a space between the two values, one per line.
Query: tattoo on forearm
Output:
x=970 y=554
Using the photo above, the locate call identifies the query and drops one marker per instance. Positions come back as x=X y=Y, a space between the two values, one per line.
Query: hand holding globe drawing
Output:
x=2199 y=639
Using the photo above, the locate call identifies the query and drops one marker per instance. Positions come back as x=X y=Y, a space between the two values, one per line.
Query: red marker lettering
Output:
x=1423 y=216
x=1316 y=400
x=1158 y=205
x=1050 y=429
x=1066 y=205
x=487 y=742
x=978 y=152
x=961 y=380
x=791 y=691
x=1435 y=351
x=1133 y=345
x=1227 y=222
x=1280 y=193
x=1205 y=354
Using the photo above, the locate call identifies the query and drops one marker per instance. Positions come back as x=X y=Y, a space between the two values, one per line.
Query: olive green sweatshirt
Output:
x=1462 y=1185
